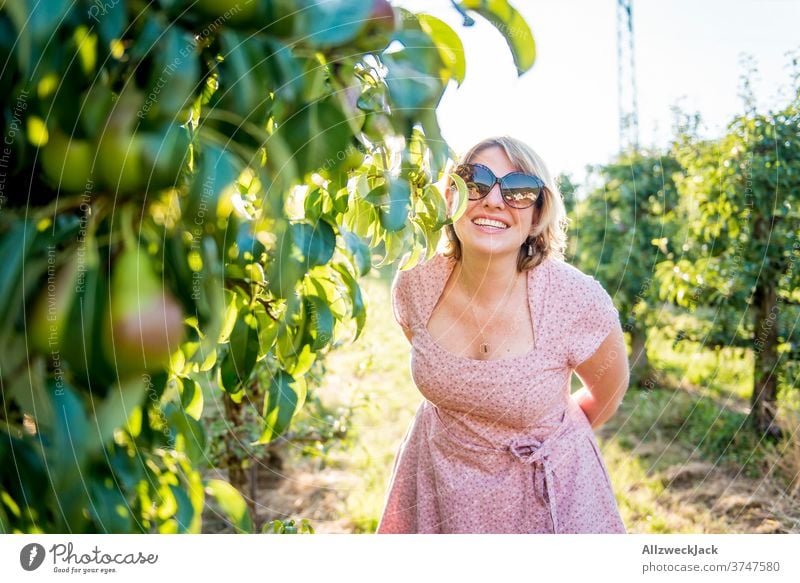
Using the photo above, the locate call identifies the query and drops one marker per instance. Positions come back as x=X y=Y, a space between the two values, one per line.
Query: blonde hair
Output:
x=549 y=238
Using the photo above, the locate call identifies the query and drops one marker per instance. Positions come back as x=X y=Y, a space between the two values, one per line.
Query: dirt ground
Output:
x=697 y=497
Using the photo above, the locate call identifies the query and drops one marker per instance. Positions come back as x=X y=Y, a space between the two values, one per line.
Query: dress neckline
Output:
x=447 y=266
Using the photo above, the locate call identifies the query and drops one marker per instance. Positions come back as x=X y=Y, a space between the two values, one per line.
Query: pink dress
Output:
x=499 y=446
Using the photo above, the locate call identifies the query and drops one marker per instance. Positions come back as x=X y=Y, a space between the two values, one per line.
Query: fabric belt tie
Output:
x=533 y=452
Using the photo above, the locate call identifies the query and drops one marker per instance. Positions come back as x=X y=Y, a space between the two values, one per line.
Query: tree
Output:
x=190 y=195
x=739 y=206
x=623 y=230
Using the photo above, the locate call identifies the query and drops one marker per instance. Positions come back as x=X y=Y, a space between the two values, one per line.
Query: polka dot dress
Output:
x=498 y=446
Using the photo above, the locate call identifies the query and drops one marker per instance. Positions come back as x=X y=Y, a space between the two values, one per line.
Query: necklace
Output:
x=485 y=348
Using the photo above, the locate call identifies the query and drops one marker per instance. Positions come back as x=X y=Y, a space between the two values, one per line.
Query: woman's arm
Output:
x=605 y=376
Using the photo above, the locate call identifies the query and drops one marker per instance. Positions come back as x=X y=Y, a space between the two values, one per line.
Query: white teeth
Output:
x=490 y=222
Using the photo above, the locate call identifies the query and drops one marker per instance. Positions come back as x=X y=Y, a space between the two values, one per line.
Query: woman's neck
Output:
x=488 y=281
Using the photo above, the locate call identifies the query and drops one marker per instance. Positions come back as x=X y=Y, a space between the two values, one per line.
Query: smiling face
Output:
x=487 y=239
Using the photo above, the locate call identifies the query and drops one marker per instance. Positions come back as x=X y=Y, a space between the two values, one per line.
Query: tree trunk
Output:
x=641 y=373
x=765 y=351
x=237 y=476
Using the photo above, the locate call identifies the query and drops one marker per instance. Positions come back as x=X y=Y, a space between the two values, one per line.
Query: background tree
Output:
x=739 y=210
x=622 y=230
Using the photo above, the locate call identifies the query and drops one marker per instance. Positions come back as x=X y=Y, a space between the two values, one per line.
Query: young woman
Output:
x=497 y=324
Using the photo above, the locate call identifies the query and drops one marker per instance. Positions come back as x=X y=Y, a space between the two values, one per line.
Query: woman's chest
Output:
x=501 y=332
x=518 y=389
x=498 y=331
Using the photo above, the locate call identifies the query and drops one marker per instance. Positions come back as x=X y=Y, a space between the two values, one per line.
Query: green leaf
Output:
x=243 y=78
x=283 y=70
x=184 y=514
x=238 y=364
x=147 y=37
x=462 y=197
x=281 y=173
x=214 y=181
x=109 y=508
x=112 y=412
x=108 y=20
x=413 y=72
x=316 y=135
x=14 y=248
x=36 y=22
x=394 y=243
x=331 y=23
x=412 y=257
x=394 y=217
x=440 y=151
x=300 y=363
x=175 y=76
x=231 y=503
x=359 y=251
x=448 y=43
x=228 y=321
x=436 y=203
x=165 y=153
x=316 y=242
x=284 y=269
x=68 y=431
x=83 y=352
x=187 y=432
x=356 y=301
x=286 y=394
x=511 y=25
x=248 y=246
x=267 y=329
x=320 y=322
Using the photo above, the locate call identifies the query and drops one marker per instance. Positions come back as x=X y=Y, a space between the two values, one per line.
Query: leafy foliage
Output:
x=191 y=195
x=625 y=227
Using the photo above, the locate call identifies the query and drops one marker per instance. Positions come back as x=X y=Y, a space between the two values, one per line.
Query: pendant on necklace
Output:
x=485 y=348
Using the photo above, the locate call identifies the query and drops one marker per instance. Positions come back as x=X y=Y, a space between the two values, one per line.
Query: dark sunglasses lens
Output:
x=520 y=190
x=479 y=181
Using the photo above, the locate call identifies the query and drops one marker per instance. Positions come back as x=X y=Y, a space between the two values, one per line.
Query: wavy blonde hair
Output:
x=549 y=238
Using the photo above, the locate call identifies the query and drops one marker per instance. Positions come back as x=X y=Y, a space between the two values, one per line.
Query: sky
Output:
x=687 y=53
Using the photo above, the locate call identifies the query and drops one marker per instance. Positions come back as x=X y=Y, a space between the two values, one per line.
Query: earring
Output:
x=530 y=250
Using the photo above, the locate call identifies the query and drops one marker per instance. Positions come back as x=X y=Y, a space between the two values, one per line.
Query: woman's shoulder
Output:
x=570 y=281
x=425 y=271
x=414 y=289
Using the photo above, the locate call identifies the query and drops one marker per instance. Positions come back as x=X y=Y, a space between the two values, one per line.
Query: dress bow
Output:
x=535 y=453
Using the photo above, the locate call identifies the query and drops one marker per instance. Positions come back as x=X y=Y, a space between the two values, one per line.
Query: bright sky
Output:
x=687 y=52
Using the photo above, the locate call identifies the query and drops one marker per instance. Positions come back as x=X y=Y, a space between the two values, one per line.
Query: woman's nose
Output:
x=495 y=197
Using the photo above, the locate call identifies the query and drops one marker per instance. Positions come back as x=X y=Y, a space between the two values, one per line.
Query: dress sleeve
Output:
x=401 y=298
x=594 y=321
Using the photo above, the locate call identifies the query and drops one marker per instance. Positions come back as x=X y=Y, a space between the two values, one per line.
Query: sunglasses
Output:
x=519 y=190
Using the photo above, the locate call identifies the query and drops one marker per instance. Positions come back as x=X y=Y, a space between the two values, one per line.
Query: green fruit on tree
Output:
x=379 y=26
x=145 y=322
x=119 y=148
x=119 y=162
x=233 y=11
x=274 y=17
x=353 y=160
x=95 y=104
x=377 y=127
x=67 y=162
